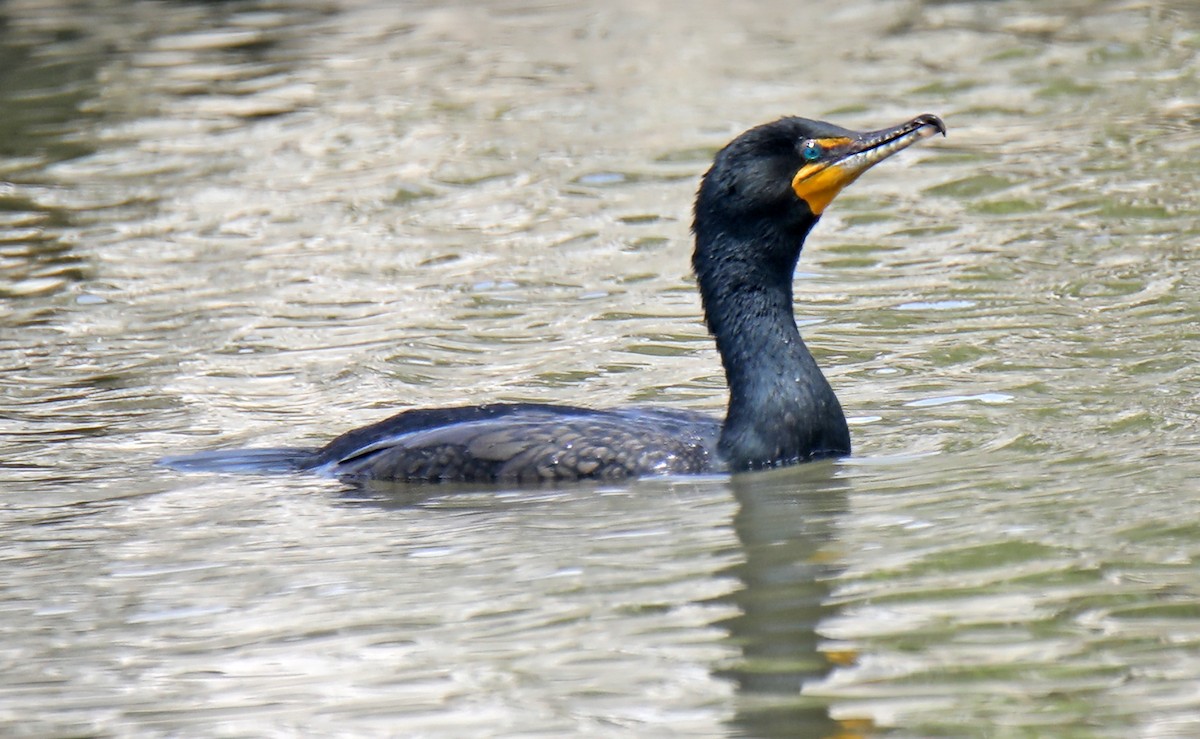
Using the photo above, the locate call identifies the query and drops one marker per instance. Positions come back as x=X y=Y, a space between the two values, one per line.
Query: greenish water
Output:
x=247 y=223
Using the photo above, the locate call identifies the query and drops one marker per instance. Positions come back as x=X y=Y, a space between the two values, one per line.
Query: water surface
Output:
x=244 y=223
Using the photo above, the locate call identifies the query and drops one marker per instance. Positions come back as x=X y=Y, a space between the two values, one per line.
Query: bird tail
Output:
x=262 y=461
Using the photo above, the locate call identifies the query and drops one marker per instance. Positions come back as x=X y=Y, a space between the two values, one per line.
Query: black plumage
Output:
x=756 y=205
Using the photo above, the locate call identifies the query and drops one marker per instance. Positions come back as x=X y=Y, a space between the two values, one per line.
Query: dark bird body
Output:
x=763 y=194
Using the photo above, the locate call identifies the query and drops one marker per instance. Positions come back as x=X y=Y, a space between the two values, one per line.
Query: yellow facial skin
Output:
x=818 y=183
x=842 y=159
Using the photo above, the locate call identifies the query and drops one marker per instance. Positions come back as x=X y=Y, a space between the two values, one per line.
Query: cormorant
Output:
x=763 y=194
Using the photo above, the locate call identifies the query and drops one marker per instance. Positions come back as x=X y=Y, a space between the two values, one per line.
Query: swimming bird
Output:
x=758 y=201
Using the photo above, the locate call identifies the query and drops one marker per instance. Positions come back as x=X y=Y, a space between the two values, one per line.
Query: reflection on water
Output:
x=42 y=96
x=786 y=528
x=237 y=223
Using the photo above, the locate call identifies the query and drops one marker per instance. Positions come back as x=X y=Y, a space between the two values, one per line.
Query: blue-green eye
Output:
x=812 y=151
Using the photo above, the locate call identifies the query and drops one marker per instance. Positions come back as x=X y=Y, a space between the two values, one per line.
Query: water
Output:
x=228 y=224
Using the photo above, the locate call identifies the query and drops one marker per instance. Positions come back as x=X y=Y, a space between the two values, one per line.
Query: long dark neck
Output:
x=781 y=408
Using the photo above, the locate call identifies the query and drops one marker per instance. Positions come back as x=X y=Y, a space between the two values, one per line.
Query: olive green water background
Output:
x=249 y=223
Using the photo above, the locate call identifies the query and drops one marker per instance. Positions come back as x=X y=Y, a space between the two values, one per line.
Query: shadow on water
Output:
x=786 y=523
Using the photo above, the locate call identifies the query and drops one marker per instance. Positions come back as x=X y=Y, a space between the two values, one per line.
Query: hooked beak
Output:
x=845 y=158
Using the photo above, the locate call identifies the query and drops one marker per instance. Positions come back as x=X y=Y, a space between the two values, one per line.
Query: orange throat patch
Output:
x=818 y=184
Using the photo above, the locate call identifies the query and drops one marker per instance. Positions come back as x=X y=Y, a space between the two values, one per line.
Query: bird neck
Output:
x=781 y=408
